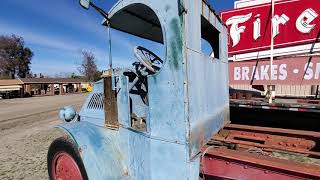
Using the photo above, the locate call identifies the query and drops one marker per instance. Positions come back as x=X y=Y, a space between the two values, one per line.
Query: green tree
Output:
x=15 y=58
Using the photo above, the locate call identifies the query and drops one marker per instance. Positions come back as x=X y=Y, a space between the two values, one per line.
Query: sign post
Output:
x=271 y=88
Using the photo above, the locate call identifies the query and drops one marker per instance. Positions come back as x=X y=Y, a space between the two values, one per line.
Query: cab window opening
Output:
x=209 y=39
x=138 y=46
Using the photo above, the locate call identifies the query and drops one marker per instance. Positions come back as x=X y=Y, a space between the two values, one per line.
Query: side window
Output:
x=209 y=39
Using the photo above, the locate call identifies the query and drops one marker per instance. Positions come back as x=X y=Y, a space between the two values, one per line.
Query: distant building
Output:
x=25 y=87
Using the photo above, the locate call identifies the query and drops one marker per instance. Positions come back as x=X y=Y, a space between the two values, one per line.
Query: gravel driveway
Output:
x=26 y=133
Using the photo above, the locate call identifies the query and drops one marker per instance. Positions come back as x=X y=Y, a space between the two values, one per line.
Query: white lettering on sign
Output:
x=310 y=70
x=245 y=73
x=257 y=27
x=264 y=72
x=235 y=30
x=316 y=76
x=274 y=72
x=283 y=72
x=276 y=21
x=237 y=73
x=303 y=24
x=304 y=20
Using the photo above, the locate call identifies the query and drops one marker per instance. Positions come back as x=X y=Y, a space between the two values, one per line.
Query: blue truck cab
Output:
x=150 y=122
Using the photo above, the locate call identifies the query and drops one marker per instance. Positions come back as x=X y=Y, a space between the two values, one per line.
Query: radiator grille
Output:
x=96 y=101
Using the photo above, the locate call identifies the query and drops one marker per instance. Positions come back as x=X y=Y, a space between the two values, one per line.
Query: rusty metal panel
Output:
x=220 y=167
x=232 y=164
x=271 y=139
x=247 y=152
x=110 y=104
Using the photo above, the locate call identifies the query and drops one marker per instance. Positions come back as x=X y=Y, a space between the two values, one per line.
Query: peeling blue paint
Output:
x=188 y=103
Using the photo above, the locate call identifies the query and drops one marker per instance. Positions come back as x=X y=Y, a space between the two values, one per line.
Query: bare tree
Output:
x=88 y=67
x=15 y=58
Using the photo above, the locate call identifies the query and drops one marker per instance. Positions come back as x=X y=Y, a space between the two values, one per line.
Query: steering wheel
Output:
x=151 y=62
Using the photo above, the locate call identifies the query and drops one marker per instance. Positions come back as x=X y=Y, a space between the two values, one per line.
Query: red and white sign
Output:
x=296 y=22
x=287 y=71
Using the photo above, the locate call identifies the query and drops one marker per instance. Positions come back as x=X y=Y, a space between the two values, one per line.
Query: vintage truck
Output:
x=161 y=119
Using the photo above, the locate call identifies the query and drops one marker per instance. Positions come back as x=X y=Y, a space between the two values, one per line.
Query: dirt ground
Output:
x=26 y=133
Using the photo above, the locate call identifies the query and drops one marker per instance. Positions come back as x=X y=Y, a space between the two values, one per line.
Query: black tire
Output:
x=6 y=96
x=64 y=144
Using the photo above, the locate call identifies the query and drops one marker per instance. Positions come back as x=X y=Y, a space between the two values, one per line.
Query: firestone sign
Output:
x=295 y=22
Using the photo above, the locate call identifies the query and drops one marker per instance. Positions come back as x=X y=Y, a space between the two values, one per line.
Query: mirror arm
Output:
x=101 y=11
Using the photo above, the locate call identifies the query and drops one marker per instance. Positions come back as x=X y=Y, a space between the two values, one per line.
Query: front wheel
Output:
x=64 y=161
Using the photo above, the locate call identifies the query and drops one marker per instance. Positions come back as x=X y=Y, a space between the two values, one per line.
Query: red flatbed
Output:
x=250 y=152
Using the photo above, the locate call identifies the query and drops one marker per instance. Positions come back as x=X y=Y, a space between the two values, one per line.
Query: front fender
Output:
x=99 y=150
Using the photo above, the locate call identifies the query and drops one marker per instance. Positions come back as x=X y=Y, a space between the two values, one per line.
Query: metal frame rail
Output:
x=243 y=152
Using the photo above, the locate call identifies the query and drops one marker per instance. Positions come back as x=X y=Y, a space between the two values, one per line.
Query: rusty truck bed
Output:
x=296 y=105
x=251 y=152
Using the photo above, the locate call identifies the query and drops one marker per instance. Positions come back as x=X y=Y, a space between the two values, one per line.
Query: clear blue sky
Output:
x=57 y=30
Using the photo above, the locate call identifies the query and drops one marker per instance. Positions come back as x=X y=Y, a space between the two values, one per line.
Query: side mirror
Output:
x=85 y=3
